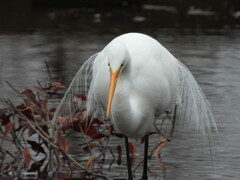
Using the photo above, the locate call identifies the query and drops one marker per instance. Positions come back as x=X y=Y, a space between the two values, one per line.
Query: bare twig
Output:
x=47 y=138
x=11 y=86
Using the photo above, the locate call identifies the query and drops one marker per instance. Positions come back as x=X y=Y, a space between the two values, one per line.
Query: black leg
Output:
x=145 y=168
x=128 y=160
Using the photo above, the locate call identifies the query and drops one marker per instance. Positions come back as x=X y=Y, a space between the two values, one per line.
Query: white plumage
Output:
x=148 y=81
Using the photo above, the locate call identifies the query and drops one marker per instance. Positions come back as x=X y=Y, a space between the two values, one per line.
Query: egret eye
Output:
x=121 y=65
x=109 y=64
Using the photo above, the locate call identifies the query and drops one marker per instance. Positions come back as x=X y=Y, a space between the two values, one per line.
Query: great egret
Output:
x=134 y=80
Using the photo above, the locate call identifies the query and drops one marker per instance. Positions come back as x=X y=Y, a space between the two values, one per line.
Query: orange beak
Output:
x=112 y=86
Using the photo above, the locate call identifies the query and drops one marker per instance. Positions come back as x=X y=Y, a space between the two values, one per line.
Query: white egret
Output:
x=133 y=81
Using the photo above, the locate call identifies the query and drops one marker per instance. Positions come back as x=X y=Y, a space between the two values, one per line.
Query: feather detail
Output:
x=78 y=101
x=193 y=107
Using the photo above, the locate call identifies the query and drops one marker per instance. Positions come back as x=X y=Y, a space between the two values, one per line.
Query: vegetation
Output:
x=31 y=142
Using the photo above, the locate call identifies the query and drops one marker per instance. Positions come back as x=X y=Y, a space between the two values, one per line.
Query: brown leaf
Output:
x=159 y=148
x=52 y=110
x=37 y=89
x=132 y=151
x=88 y=129
x=161 y=164
x=90 y=160
x=81 y=96
x=27 y=157
x=8 y=129
x=62 y=143
x=64 y=175
x=25 y=110
x=61 y=79
x=36 y=147
x=5 y=118
x=53 y=93
x=3 y=111
x=117 y=134
x=89 y=147
x=36 y=166
x=119 y=149
x=30 y=95
x=58 y=85
x=92 y=132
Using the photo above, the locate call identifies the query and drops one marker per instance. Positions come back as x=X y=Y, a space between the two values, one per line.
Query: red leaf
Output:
x=81 y=96
x=161 y=164
x=3 y=111
x=133 y=152
x=8 y=129
x=36 y=166
x=37 y=89
x=52 y=110
x=91 y=131
x=90 y=160
x=5 y=118
x=159 y=148
x=30 y=95
x=117 y=134
x=27 y=157
x=119 y=149
x=36 y=147
x=89 y=147
x=58 y=85
x=61 y=79
x=62 y=143
x=87 y=128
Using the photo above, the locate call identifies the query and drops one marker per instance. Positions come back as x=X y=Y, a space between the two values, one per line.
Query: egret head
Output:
x=117 y=55
x=118 y=58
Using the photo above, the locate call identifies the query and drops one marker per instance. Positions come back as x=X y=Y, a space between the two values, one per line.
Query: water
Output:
x=213 y=57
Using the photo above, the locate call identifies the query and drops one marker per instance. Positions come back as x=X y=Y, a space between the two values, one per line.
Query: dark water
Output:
x=212 y=56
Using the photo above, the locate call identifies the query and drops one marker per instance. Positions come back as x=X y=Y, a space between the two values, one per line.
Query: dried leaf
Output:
x=37 y=89
x=83 y=127
x=89 y=147
x=36 y=147
x=52 y=110
x=158 y=150
x=90 y=160
x=117 y=134
x=64 y=175
x=62 y=143
x=93 y=133
x=132 y=148
x=132 y=151
x=30 y=95
x=3 y=111
x=161 y=164
x=119 y=149
x=81 y=96
x=5 y=118
x=53 y=93
x=8 y=129
x=77 y=99
x=27 y=157
x=58 y=85
x=25 y=110
x=36 y=166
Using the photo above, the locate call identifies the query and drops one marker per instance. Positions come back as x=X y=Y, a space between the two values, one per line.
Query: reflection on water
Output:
x=213 y=59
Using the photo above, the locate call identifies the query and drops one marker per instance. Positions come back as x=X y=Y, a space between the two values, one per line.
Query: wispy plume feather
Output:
x=193 y=107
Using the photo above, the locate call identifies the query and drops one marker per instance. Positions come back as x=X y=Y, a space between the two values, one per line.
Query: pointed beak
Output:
x=112 y=86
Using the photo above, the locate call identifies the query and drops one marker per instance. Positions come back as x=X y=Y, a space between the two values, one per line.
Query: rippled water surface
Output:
x=213 y=58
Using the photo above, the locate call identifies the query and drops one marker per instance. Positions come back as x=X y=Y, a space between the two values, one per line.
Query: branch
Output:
x=45 y=137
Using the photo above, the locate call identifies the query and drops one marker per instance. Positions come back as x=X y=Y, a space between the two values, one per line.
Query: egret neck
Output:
x=119 y=106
